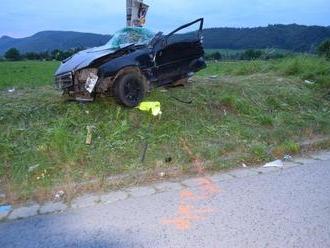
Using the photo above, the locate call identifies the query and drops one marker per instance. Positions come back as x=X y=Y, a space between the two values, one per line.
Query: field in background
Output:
x=236 y=54
x=27 y=73
x=309 y=68
x=248 y=112
x=234 y=51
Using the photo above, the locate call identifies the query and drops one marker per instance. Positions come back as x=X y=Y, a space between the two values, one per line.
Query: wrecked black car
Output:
x=133 y=62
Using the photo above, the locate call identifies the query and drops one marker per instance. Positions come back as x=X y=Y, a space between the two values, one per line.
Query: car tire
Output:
x=130 y=89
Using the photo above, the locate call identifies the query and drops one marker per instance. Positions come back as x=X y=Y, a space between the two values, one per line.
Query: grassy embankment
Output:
x=251 y=113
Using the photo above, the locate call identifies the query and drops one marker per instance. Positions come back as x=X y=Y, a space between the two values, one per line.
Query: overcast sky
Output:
x=20 y=18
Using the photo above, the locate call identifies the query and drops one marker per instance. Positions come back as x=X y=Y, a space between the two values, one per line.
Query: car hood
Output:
x=83 y=59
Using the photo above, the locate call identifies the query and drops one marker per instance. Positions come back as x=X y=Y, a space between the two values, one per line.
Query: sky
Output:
x=22 y=18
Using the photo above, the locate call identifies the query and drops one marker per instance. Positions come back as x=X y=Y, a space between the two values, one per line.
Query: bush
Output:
x=32 y=56
x=251 y=54
x=213 y=56
x=13 y=54
x=324 y=49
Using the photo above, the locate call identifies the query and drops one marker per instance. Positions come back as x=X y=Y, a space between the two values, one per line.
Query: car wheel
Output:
x=129 y=89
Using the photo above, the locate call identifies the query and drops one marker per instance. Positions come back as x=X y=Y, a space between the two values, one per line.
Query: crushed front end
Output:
x=79 y=85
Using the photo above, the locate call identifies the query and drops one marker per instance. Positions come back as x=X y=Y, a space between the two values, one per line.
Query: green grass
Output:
x=304 y=67
x=252 y=113
x=26 y=73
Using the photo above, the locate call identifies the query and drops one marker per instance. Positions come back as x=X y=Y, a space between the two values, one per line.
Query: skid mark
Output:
x=188 y=212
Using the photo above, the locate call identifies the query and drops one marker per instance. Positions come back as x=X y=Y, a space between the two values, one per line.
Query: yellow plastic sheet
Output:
x=153 y=107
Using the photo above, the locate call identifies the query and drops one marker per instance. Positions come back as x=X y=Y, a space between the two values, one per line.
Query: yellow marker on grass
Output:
x=154 y=107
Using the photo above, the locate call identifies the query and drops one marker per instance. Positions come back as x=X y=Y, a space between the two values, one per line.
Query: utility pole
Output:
x=136 y=13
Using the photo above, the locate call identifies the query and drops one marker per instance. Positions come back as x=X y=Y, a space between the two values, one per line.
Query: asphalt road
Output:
x=289 y=208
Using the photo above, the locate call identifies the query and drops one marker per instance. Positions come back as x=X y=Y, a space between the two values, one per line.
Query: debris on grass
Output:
x=276 y=163
x=12 y=90
x=213 y=77
x=162 y=174
x=43 y=175
x=309 y=82
x=59 y=195
x=32 y=168
x=287 y=158
x=89 y=134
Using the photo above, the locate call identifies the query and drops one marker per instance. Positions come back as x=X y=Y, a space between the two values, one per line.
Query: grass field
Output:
x=228 y=54
x=22 y=74
x=251 y=113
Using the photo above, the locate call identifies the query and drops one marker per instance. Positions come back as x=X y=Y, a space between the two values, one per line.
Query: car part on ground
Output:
x=132 y=63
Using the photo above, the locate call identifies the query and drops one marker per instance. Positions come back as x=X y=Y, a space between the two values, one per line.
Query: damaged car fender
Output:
x=139 y=58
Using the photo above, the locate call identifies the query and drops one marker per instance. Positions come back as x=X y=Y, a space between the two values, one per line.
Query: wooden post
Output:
x=136 y=12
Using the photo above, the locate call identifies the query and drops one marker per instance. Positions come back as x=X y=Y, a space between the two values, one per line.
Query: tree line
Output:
x=249 y=54
x=323 y=50
x=14 y=54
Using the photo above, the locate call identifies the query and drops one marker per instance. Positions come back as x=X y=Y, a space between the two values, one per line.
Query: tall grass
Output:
x=310 y=68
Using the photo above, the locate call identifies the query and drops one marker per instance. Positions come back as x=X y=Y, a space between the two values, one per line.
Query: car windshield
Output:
x=131 y=35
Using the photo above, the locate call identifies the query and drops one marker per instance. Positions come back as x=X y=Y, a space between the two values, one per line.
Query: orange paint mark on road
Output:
x=186 y=194
x=209 y=188
x=188 y=212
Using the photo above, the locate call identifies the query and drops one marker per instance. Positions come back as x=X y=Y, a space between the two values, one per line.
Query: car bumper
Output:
x=64 y=81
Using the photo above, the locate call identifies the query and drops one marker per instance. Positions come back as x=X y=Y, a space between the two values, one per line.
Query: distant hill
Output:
x=292 y=37
x=50 y=40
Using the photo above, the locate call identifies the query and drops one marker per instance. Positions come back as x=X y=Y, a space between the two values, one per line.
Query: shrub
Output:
x=324 y=49
x=13 y=54
x=214 y=56
x=251 y=54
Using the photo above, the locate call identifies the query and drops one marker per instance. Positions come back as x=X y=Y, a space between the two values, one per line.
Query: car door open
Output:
x=179 y=49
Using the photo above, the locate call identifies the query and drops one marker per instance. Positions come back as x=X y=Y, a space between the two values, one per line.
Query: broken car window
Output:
x=130 y=35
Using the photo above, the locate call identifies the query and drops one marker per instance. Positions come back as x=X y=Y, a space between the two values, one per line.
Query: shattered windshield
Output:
x=126 y=36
